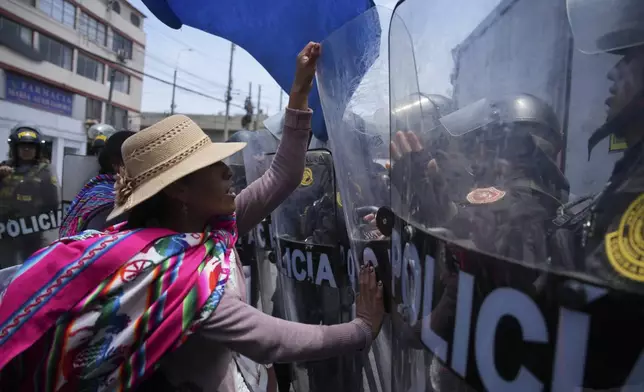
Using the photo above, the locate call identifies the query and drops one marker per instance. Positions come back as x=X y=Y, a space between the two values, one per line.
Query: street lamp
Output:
x=174 y=80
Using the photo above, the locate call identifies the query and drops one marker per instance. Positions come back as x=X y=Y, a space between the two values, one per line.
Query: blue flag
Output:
x=274 y=31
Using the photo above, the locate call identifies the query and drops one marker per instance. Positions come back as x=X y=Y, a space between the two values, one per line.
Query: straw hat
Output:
x=160 y=155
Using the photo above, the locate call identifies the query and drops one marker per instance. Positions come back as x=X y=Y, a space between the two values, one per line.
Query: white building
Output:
x=80 y=43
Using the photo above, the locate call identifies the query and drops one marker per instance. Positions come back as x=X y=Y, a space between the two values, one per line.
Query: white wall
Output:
x=66 y=131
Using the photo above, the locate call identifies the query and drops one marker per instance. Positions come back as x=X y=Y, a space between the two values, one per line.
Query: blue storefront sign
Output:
x=31 y=92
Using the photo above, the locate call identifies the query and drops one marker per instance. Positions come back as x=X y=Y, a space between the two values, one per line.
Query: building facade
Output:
x=57 y=61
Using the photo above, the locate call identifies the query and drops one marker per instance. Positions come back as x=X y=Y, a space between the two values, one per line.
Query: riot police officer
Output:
x=99 y=133
x=28 y=196
x=609 y=243
x=618 y=211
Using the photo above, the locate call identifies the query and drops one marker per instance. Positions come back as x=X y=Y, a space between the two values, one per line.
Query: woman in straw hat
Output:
x=159 y=298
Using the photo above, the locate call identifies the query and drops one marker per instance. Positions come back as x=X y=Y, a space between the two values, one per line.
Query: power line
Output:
x=164 y=81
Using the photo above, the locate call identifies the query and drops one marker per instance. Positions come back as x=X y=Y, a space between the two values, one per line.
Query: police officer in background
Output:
x=27 y=188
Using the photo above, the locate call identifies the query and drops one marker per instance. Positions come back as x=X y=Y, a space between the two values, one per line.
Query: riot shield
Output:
x=314 y=284
x=264 y=272
x=356 y=116
x=77 y=171
x=30 y=212
x=504 y=284
x=245 y=243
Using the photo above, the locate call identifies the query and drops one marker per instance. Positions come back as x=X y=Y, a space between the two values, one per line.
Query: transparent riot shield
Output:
x=246 y=242
x=30 y=211
x=314 y=285
x=264 y=272
x=502 y=282
x=356 y=116
x=77 y=171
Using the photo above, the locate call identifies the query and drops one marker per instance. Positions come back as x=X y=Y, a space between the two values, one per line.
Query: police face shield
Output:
x=498 y=277
x=30 y=211
x=356 y=114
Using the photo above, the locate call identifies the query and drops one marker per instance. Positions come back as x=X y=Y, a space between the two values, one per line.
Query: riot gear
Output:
x=99 y=133
x=246 y=243
x=29 y=208
x=482 y=271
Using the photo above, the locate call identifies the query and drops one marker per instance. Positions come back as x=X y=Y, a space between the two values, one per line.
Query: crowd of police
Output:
x=470 y=196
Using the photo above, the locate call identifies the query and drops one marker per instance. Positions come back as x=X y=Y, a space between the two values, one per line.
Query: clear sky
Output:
x=203 y=60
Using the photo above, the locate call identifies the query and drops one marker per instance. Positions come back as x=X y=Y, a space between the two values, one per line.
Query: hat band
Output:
x=125 y=185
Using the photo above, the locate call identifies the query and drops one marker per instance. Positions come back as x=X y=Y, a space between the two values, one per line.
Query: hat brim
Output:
x=209 y=155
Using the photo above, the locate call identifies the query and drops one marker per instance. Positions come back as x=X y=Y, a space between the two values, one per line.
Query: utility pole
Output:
x=281 y=98
x=174 y=79
x=229 y=90
x=109 y=119
x=174 y=88
x=259 y=101
x=109 y=111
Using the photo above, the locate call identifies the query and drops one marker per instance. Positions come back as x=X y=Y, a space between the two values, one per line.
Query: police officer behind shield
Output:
x=509 y=149
x=612 y=235
x=27 y=188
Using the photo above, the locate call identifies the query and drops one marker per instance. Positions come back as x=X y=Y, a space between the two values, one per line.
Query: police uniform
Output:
x=30 y=191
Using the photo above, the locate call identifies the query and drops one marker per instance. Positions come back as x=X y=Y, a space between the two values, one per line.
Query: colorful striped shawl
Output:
x=96 y=312
x=96 y=195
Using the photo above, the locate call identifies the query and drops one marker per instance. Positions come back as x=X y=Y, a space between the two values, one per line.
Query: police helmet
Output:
x=519 y=115
x=606 y=26
x=25 y=134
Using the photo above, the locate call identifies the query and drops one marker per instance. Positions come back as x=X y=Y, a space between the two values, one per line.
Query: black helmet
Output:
x=517 y=115
x=25 y=134
x=606 y=26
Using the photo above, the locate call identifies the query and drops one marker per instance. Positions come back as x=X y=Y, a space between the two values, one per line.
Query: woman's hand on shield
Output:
x=304 y=73
x=369 y=301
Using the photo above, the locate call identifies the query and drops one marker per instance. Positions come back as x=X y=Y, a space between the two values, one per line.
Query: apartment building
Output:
x=62 y=61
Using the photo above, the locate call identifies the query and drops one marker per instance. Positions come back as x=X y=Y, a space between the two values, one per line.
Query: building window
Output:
x=10 y=27
x=135 y=19
x=116 y=7
x=93 y=109
x=121 y=82
x=119 y=119
x=56 y=52
x=61 y=10
x=94 y=30
x=90 y=68
x=120 y=43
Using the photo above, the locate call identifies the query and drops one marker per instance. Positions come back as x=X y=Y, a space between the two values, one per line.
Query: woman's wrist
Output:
x=298 y=100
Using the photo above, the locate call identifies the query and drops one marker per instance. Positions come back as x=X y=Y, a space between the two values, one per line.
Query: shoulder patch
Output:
x=485 y=195
x=307 y=178
x=625 y=246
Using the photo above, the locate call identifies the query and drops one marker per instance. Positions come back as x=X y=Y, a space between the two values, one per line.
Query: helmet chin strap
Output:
x=631 y=114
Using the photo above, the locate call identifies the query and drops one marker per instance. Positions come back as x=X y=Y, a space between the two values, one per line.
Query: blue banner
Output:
x=274 y=32
x=31 y=92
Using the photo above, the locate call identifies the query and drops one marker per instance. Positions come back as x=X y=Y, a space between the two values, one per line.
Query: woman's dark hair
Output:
x=111 y=156
x=144 y=214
